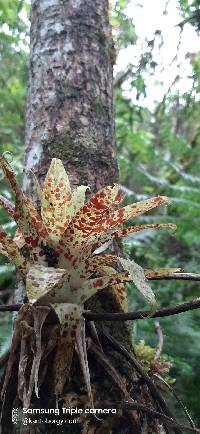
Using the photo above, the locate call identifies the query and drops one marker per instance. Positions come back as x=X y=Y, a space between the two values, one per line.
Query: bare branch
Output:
x=192 y=19
x=126 y=316
x=10 y=307
x=178 y=276
x=141 y=314
x=121 y=78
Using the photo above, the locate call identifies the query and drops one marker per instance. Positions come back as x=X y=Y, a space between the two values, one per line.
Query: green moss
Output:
x=145 y=354
x=78 y=145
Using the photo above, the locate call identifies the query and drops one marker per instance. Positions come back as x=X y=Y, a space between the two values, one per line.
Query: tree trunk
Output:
x=70 y=102
x=70 y=116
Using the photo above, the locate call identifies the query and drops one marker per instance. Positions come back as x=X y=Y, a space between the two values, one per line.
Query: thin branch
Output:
x=141 y=314
x=94 y=335
x=159 y=333
x=121 y=78
x=192 y=19
x=110 y=370
x=178 y=276
x=127 y=316
x=10 y=307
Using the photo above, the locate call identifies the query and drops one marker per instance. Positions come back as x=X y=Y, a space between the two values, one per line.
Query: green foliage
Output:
x=13 y=89
x=123 y=26
x=159 y=154
x=13 y=75
x=191 y=12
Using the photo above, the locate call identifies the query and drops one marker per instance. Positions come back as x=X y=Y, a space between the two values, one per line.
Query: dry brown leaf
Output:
x=23 y=314
x=26 y=339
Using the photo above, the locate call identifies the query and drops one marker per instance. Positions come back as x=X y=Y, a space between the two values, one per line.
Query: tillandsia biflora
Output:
x=56 y=251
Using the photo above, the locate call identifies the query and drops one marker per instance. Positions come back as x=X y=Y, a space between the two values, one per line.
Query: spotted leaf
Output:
x=7 y=205
x=46 y=281
x=32 y=228
x=77 y=199
x=69 y=316
x=12 y=251
x=106 y=238
x=82 y=225
x=3 y=251
x=79 y=235
x=26 y=216
x=91 y=286
x=10 y=176
x=119 y=288
x=19 y=239
x=103 y=238
x=56 y=197
x=130 y=211
x=89 y=267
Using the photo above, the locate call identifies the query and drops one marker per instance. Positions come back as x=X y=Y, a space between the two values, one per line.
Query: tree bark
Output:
x=70 y=116
x=70 y=101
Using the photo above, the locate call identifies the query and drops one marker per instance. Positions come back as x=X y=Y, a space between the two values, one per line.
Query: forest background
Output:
x=158 y=139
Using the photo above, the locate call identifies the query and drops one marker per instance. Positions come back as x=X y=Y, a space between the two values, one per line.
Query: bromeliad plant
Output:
x=61 y=269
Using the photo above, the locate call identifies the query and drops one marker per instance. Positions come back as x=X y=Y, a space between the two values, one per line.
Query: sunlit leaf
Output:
x=56 y=196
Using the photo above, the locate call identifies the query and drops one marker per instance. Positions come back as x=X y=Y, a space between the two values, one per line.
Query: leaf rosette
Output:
x=61 y=267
